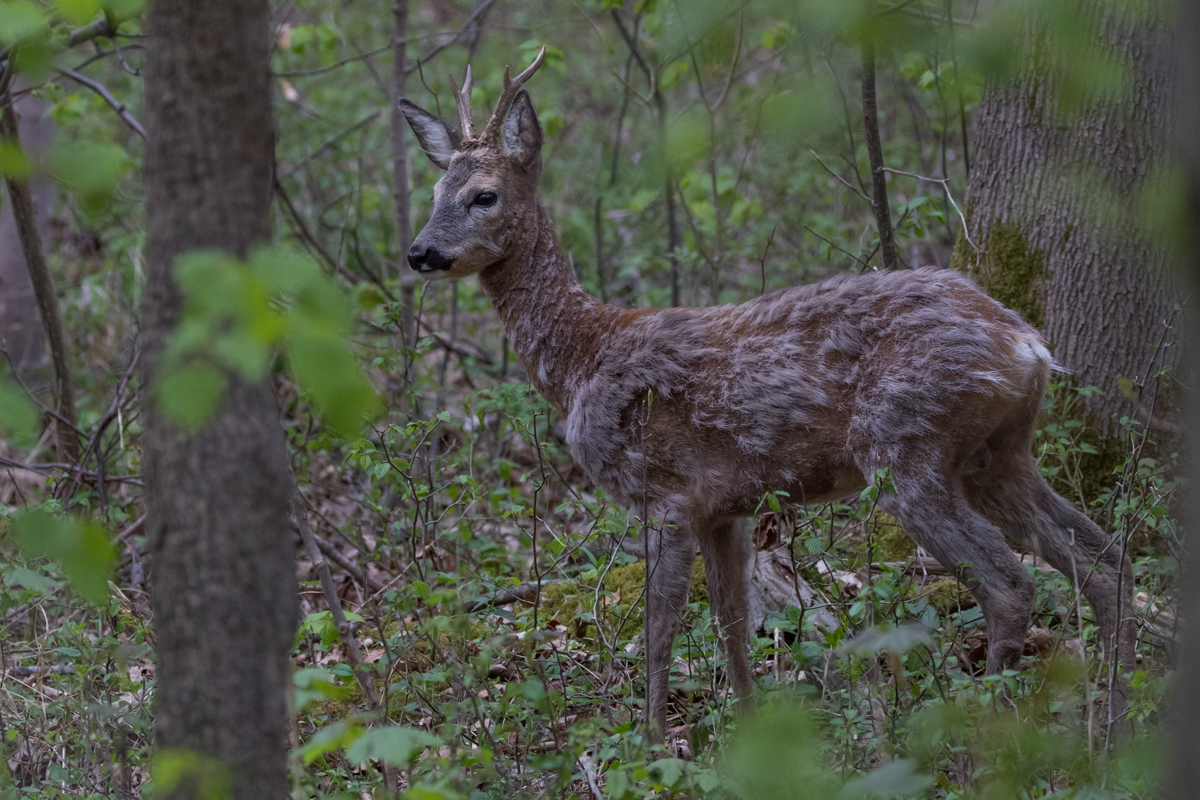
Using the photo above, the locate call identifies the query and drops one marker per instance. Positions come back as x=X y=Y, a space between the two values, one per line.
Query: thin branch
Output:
x=524 y=593
x=300 y=522
x=308 y=73
x=99 y=89
x=475 y=15
x=329 y=143
x=843 y=181
x=409 y=68
x=330 y=551
x=762 y=262
x=945 y=184
x=834 y=246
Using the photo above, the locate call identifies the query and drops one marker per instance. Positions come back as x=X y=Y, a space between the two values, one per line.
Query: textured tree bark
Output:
x=406 y=277
x=1053 y=204
x=880 y=203
x=1184 y=735
x=19 y=324
x=24 y=212
x=217 y=499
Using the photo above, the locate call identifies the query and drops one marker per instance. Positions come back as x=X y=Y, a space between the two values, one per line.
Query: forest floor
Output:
x=494 y=598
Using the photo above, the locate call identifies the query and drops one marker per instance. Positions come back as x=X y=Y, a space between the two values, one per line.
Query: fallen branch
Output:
x=29 y=672
x=524 y=593
x=300 y=523
x=331 y=552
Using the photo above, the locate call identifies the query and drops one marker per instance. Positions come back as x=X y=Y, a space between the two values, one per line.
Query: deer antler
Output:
x=463 y=99
x=496 y=123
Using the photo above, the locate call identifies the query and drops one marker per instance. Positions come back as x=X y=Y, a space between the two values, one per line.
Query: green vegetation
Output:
x=437 y=483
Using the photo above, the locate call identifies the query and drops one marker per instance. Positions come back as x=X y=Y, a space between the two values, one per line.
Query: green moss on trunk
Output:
x=1009 y=270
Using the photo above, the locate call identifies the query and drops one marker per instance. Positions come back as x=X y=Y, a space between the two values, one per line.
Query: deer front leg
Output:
x=669 y=556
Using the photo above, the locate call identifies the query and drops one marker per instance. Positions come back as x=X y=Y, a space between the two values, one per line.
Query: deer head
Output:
x=489 y=191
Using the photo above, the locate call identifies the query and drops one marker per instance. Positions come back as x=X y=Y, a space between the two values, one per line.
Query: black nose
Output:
x=428 y=259
x=417 y=257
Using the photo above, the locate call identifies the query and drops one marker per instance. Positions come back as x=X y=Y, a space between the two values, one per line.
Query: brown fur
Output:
x=690 y=415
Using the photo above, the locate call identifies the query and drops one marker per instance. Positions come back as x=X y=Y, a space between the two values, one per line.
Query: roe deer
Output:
x=807 y=390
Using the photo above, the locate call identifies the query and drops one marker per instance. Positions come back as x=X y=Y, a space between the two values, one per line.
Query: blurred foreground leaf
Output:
x=80 y=547
x=236 y=313
x=395 y=745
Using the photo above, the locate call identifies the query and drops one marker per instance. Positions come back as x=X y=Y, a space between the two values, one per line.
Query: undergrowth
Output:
x=496 y=599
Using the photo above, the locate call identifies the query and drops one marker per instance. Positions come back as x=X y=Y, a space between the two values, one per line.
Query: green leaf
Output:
x=81 y=548
x=190 y=396
x=237 y=313
x=13 y=161
x=320 y=623
x=78 y=11
x=204 y=777
x=121 y=10
x=20 y=20
x=91 y=168
x=668 y=771
x=643 y=198
x=897 y=779
x=330 y=738
x=394 y=745
x=314 y=685
x=883 y=638
x=18 y=416
x=427 y=791
x=28 y=579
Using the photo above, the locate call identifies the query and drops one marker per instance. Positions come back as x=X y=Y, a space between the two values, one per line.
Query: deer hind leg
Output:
x=670 y=552
x=1013 y=494
x=934 y=511
x=724 y=549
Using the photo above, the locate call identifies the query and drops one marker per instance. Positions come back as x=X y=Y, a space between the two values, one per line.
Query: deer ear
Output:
x=436 y=139
x=522 y=131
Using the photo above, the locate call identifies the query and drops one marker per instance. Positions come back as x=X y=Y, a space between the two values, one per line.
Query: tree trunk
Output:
x=880 y=203
x=19 y=325
x=1052 y=204
x=1184 y=737
x=24 y=211
x=223 y=584
x=406 y=277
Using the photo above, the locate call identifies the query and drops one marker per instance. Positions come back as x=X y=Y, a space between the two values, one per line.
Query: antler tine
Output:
x=509 y=93
x=463 y=99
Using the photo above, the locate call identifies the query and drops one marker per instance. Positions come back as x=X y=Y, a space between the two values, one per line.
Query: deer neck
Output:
x=552 y=323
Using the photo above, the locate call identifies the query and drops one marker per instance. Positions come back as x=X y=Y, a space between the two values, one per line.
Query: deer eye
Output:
x=484 y=199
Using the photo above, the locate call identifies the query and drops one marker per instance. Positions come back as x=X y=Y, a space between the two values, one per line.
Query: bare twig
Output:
x=329 y=143
x=945 y=184
x=53 y=669
x=842 y=180
x=300 y=522
x=467 y=26
x=660 y=105
x=524 y=593
x=330 y=551
x=831 y=244
x=99 y=89
x=762 y=262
